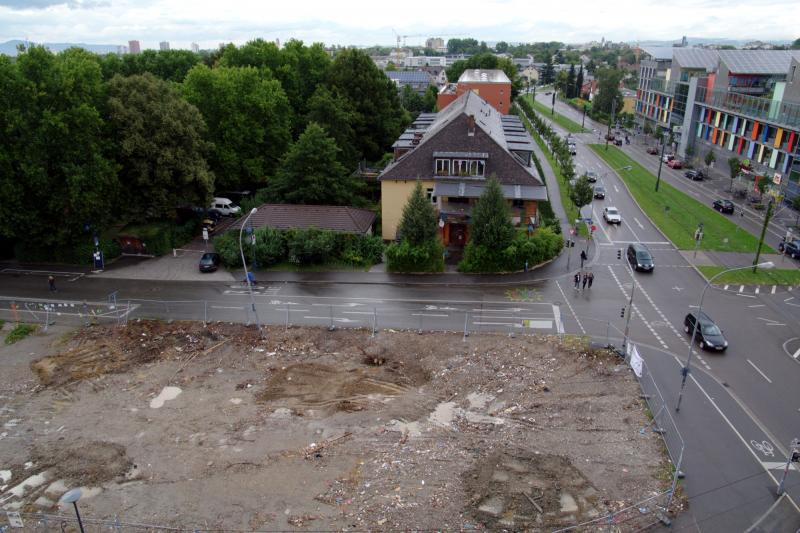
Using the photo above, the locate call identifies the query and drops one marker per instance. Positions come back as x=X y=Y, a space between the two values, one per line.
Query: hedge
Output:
x=542 y=246
x=403 y=257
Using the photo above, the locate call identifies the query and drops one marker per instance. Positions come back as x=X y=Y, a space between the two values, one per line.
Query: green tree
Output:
x=569 y=91
x=709 y=158
x=169 y=65
x=581 y=193
x=335 y=113
x=796 y=44
x=160 y=146
x=429 y=100
x=735 y=168
x=249 y=122
x=412 y=101
x=418 y=224
x=310 y=172
x=579 y=83
x=608 y=90
x=548 y=72
x=501 y=47
x=378 y=116
x=491 y=221
x=390 y=67
x=56 y=171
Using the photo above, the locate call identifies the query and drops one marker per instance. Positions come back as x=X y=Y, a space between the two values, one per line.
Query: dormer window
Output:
x=442 y=167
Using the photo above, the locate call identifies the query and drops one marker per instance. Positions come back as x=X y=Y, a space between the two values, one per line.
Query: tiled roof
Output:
x=476 y=75
x=342 y=219
x=409 y=76
x=756 y=61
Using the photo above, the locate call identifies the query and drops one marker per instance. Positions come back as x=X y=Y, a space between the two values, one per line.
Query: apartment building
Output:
x=493 y=85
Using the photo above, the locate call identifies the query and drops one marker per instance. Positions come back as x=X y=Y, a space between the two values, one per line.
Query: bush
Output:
x=364 y=251
x=310 y=246
x=542 y=246
x=227 y=246
x=403 y=257
x=19 y=332
x=80 y=253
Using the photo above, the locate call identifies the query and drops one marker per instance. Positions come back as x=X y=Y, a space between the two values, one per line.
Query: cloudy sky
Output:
x=353 y=22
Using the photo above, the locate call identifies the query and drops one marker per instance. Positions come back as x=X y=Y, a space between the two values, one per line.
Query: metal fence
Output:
x=48 y=312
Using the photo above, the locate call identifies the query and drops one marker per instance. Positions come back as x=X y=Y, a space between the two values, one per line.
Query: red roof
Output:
x=342 y=219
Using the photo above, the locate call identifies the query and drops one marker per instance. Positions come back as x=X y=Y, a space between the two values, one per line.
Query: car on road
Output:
x=695 y=174
x=548 y=93
x=675 y=163
x=723 y=206
x=600 y=192
x=708 y=335
x=639 y=257
x=652 y=150
x=591 y=176
x=225 y=206
x=668 y=157
x=209 y=262
x=791 y=248
x=573 y=150
x=612 y=216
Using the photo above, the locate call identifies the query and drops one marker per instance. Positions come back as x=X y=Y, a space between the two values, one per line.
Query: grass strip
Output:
x=677 y=214
x=19 y=332
x=569 y=125
x=748 y=277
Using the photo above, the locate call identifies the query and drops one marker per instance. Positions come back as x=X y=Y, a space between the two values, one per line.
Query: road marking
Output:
x=745 y=295
x=510 y=317
x=758 y=289
x=494 y=323
x=635 y=308
x=789 y=298
x=224 y=307
x=560 y=325
x=779 y=466
x=763 y=375
x=725 y=288
x=637 y=222
x=335 y=319
x=741 y=288
x=773 y=289
x=797 y=353
x=569 y=305
x=641 y=242
x=756 y=305
x=616 y=189
x=537 y=324
x=676 y=288
x=426 y=314
x=594 y=214
x=349 y=304
x=358 y=313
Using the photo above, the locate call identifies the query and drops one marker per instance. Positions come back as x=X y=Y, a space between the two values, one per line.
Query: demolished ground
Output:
x=177 y=424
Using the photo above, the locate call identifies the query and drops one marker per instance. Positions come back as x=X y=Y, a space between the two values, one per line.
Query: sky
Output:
x=366 y=23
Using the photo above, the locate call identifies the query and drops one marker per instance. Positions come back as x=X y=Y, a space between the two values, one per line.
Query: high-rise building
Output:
x=163 y=46
x=134 y=47
x=195 y=48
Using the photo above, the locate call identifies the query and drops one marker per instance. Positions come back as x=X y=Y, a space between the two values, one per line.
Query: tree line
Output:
x=92 y=141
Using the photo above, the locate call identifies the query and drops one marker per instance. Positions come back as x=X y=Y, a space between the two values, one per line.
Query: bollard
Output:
x=286 y=325
x=331 y=327
x=374 y=320
x=466 y=331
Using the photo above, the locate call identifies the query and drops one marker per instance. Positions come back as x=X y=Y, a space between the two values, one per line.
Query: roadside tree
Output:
x=419 y=249
x=735 y=168
x=581 y=193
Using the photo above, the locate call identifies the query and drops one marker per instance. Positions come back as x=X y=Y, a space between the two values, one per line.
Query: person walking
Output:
x=583 y=257
x=585 y=279
x=51 y=282
x=591 y=279
x=577 y=279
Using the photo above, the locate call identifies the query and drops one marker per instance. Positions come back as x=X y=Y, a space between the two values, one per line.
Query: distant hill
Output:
x=693 y=41
x=10 y=47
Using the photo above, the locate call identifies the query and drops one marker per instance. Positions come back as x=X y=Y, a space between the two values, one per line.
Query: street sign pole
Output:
x=794 y=456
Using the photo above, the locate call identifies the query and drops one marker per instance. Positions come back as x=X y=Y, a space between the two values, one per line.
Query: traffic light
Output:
x=622 y=313
x=572 y=244
x=796 y=456
x=619 y=254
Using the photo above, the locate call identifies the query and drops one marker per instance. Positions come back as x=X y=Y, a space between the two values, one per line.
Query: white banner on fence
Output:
x=636 y=361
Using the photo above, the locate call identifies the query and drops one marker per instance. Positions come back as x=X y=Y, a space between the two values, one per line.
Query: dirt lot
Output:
x=180 y=425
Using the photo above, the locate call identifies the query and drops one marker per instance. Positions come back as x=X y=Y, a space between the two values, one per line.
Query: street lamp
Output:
x=244 y=263
x=661 y=161
x=72 y=497
x=583 y=122
x=686 y=369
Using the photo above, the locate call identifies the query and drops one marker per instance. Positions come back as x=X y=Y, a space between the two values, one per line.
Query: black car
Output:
x=600 y=192
x=591 y=176
x=639 y=257
x=791 y=248
x=708 y=335
x=209 y=262
x=723 y=206
x=695 y=175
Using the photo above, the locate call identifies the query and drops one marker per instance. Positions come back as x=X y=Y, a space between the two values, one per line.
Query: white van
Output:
x=225 y=206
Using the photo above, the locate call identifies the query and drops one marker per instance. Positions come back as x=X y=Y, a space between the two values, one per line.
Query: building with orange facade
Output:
x=493 y=86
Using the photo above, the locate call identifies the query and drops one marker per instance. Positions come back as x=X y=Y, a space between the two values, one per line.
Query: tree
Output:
x=412 y=101
x=378 y=116
x=429 y=100
x=335 y=113
x=735 y=168
x=390 y=67
x=419 y=223
x=169 y=65
x=548 y=72
x=310 y=172
x=579 y=83
x=501 y=47
x=569 y=91
x=796 y=44
x=491 y=222
x=608 y=90
x=249 y=122
x=581 y=193
x=710 y=158
x=160 y=146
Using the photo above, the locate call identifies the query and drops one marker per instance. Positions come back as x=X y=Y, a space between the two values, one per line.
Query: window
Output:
x=431 y=197
x=468 y=167
x=442 y=167
x=518 y=203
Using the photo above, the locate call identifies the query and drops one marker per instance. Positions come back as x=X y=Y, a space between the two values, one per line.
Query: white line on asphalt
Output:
x=357 y=313
x=763 y=375
x=637 y=222
x=632 y=231
x=641 y=242
x=224 y=307
x=635 y=308
x=426 y=314
x=741 y=288
x=796 y=354
x=513 y=317
x=775 y=324
x=493 y=323
x=616 y=189
x=773 y=289
x=745 y=295
x=754 y=306
x=778 y=466
x=594 y=215
x=557 y=316
x=569 y=305
x=789 y=298
x=725 y=288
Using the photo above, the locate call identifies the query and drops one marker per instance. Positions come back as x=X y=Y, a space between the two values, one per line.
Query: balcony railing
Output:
x=782 y=113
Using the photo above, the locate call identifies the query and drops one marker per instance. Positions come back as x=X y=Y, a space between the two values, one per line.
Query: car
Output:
x=600 y=192
x=225 y=206
x=610 y=137
x=652 y=150
x=209 y=262
x=573 y=150
x=639 y=257
x=723 y=206
x=591 y=176
x=618 y=141
x=791 y=248
x=214 y=214
x=548 y=93
x=675 y=163
x=708 y=334
x=668 y=157
x=612 y=216
x=695 y=175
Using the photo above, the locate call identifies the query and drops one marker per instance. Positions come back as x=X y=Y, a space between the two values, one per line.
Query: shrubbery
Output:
x=301 y=247
x=542 y=246
x=405 y=257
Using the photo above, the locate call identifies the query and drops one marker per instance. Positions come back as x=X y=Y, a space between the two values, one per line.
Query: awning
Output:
x=471 y=190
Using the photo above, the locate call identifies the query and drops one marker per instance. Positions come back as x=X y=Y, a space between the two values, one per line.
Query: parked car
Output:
x=652 y=150
x=675 y=163
x=668 y=157
x=708 y=335
x=612 y=216
x=591 y=176
x=600 y=192
x=723 y=206
x=209 y=262
x=640 y=258
x=573 y=150
x=695 y=175
x=791 y=248
x=225 y=206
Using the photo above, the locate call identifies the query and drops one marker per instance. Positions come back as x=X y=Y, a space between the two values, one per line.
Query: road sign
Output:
x=594 y=228
x=205 y=234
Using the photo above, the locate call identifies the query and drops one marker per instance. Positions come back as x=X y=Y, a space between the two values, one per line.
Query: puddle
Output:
x=166 y=394
x=443 y=414
x=410 y=428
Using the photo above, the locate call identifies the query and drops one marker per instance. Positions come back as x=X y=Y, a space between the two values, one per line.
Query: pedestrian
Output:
x=585 y=279
x=583 y=257
x=51 y=281
x=577 y=280
x=591 y=279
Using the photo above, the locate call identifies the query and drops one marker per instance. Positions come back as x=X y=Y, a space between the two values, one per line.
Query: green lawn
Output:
x=747 y=277
x=677 y=214
x=561 y=120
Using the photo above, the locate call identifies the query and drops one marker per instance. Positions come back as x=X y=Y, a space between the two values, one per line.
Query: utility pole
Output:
x=767 y=216
x=583 y=122
x=613 y=108
x=630 y=306
x=794 y=457
x=553 y=109
x=660 y=161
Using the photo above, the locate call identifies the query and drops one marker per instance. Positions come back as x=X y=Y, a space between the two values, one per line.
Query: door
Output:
x=458 y=234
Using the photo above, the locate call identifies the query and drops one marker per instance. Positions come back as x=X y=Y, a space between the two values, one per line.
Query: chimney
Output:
x=471 y=125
